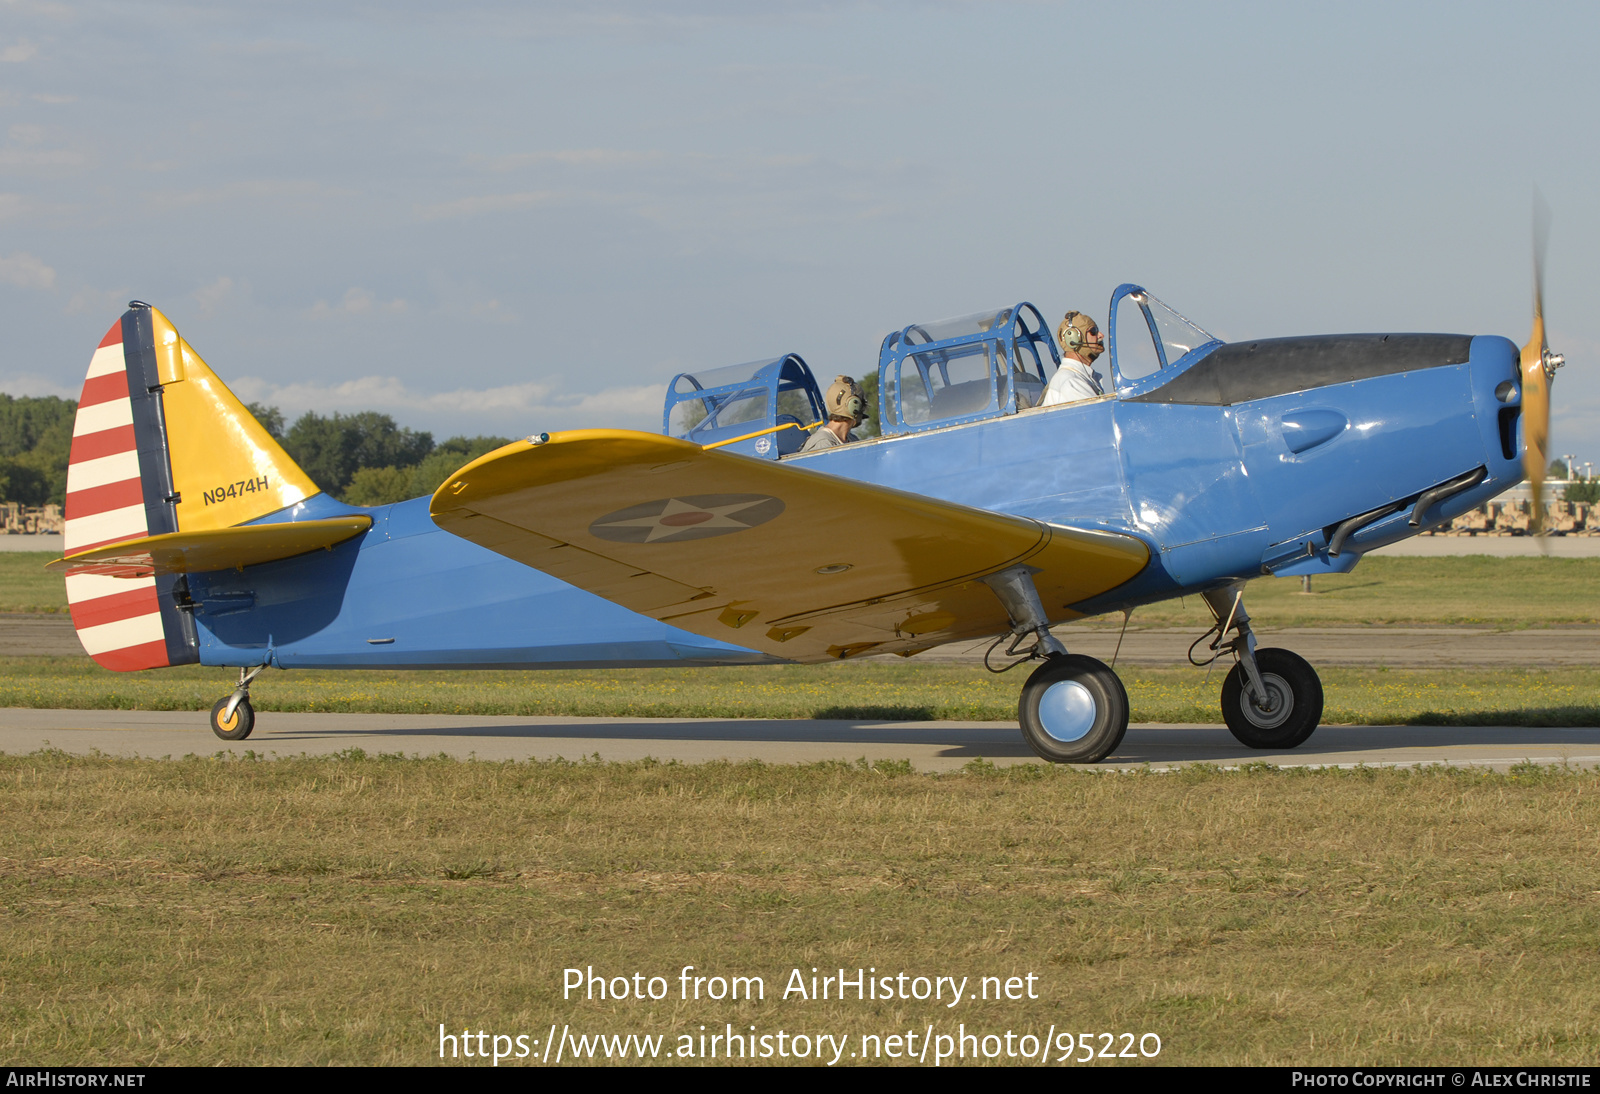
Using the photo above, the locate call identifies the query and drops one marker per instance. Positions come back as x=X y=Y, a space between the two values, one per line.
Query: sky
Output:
x=516 y=217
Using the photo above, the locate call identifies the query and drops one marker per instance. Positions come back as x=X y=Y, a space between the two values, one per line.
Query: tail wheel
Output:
x=1073 y=710
x=1293 y=707
x=236 y=728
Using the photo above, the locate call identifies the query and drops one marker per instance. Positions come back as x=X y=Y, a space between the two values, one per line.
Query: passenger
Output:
x=1081 y=342
x=846 y=407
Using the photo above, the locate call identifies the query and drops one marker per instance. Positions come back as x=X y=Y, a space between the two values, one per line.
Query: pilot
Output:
x=1081 y=342
x=846 y=407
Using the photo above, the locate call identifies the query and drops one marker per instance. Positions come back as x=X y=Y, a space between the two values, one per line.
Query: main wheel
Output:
x=1073 y=710
x=1294 y=701
x=239 y=726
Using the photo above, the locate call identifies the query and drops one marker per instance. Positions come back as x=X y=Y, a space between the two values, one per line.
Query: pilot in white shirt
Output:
x=1081 y=342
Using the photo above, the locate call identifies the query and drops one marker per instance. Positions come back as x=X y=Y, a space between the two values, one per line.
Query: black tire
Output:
x=243 y=721
x=1295 y=693
x=1073 y=710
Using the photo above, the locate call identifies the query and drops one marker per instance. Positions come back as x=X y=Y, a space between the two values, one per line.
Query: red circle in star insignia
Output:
x=695 y=516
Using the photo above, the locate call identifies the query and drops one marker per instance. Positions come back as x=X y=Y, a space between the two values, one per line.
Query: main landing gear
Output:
x=1074 y=709
x=232 y=718
x=1272 y=698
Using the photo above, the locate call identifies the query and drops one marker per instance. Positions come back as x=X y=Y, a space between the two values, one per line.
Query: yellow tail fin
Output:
x=226 y=469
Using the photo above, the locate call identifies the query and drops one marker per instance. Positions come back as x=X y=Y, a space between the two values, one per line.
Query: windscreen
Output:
x=946 y=384
x=1178 y=335
x=717 y=377
x=1150 y=335
x=960 y=327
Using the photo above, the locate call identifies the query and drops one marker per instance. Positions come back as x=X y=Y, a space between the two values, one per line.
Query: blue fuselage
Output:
x=1221 y=489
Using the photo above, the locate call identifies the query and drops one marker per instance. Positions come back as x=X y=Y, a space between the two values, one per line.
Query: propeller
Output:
x=1538 y=370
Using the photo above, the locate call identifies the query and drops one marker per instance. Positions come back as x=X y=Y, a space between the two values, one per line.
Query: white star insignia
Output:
x=679 y=517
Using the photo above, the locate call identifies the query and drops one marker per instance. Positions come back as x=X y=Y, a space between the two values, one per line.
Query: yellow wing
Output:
x=794 y=563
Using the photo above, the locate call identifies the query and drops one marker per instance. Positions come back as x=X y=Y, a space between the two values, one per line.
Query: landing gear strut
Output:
x=1073 y=709
x=1272 y=698
x=232 y=718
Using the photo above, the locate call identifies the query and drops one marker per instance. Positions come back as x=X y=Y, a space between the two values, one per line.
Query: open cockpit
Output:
x=929 y=376
x=951 y=372
x=763 y=408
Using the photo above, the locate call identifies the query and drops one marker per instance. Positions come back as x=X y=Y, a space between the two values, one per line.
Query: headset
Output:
x=844 y=398
x=1071 y=336
x=1074 y=337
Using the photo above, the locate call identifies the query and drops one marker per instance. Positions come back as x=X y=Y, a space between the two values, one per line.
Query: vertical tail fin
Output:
x=159 y=445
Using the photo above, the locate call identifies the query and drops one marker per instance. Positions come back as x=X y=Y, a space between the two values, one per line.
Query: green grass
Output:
x=1507 y=592
x=1518 y=592
x=859 y=690
x=26 y=586
x=338 y=910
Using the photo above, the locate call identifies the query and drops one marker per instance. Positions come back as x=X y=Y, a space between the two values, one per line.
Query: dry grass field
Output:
x=339 y=910
x=208 y=910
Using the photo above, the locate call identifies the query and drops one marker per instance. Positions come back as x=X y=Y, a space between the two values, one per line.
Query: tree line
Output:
x=35 y=437
x=365 y=459
x=361 y=459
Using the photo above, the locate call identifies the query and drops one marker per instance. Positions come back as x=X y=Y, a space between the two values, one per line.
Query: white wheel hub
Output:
x=1067 y=711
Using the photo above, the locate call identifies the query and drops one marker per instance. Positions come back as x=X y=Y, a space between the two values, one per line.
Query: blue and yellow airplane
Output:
x=192 y=537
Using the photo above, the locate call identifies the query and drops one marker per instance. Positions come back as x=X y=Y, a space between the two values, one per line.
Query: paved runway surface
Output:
x=930 y=746
x=53 y=544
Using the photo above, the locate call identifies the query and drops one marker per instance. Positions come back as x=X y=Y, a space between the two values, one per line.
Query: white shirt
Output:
x=823 y=437
x=1072 y=382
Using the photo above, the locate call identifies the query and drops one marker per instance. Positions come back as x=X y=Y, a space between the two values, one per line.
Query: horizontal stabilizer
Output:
x=795 y=563
x=215 y=549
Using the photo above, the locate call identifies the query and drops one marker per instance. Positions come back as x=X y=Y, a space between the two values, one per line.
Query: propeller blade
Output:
x=1536 y=377
x=1535 y=421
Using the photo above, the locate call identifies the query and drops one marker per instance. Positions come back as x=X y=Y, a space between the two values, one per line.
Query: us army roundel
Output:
x=698 y=516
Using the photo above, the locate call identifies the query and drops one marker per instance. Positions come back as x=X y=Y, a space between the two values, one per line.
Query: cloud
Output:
x=711 y=196
x=573 y=157
x=32 y=385
x=213 y=296
x=27 y=151
x=357 y=301
x=98 y=301
x=487 y=203
x=52 y=100
x=512 y=409
x=492 y=311
x=249 y=190
x=26 y=272
x=30 y=159
x=61 y=13
x=22 y=50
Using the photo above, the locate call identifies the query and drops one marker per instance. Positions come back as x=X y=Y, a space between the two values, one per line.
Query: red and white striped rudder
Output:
x=117 y=482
